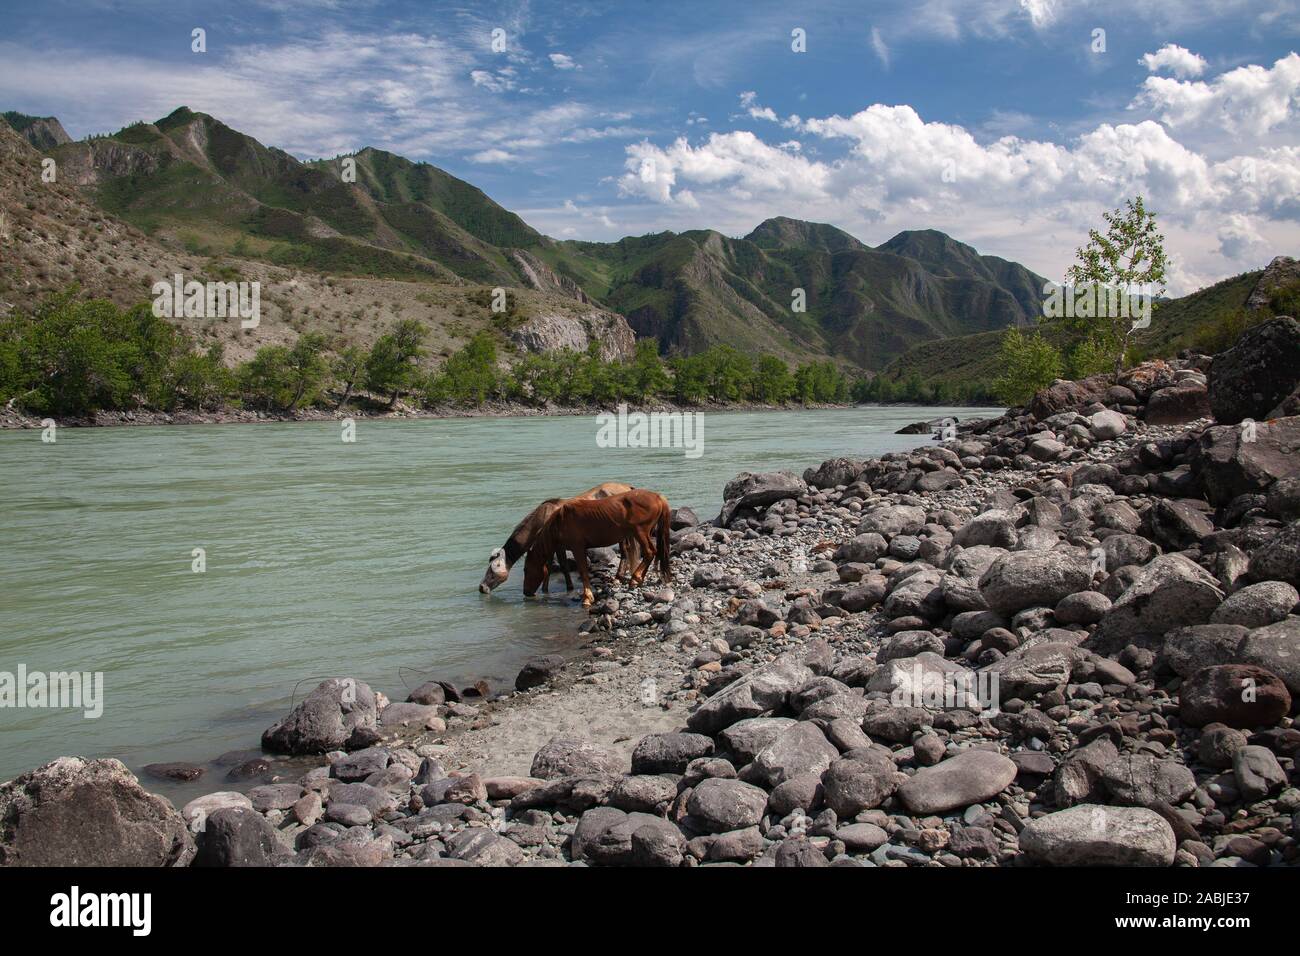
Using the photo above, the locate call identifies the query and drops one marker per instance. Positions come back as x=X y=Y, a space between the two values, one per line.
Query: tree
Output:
x=202 y=380
x=469 y=375
x=265 y=381
x=306 y=370
x=1129 y=259
x=1028 y=362
x=647 y=376
x=349 y=368
x=391 y=367
x=773 y=383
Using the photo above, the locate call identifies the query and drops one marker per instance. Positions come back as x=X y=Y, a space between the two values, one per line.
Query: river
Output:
x=323 y=558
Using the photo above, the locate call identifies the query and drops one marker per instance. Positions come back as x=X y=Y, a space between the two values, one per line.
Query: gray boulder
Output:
x=720 y=805
x=797 y=750
x=239 y=837
x=972 y=776
x=328 y=719
x=1169 y=593
x=1034 y=579
x=1253 y=377
x=756 y=693
x=1276 y=648
x=1092 y=835
x=567 y=755
x=1257 y=605
x=78 y=812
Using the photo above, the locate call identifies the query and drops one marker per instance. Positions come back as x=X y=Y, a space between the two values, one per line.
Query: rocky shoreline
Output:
x=1067 y=637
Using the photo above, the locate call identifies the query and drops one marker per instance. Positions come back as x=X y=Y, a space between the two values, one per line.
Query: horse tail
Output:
x=665 y=520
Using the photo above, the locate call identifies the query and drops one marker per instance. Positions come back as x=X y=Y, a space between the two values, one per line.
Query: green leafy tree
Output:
x=392 y=367
x=202 y=380
x=306 y=369
x=349 y=369
x=470 y=375
x=265 y=381
x=1028 y=362
x=648 y=377
x=773 y=383
x=1130 y=258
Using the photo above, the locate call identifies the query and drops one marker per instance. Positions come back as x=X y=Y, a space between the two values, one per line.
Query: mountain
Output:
x=53 y=236
x=192 y=183
x=1195 y=320
x=864 y=306
x=43 y=132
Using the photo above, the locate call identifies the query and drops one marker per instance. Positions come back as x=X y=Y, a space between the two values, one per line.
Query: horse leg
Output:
x=587 y=597
x=647 y=552
x=564 y=566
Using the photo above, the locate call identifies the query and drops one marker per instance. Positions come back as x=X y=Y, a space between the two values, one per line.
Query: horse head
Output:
x=497 y=572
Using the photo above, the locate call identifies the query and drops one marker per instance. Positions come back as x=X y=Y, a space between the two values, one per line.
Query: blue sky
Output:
x=1005 y=123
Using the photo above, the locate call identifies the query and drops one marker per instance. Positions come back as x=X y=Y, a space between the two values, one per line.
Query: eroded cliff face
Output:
x=553 y=331
x=538 y=275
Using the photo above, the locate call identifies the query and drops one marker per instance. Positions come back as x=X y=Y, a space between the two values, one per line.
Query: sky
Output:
x=1008 y=124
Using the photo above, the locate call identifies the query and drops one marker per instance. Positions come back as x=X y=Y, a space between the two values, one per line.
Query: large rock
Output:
x=925 y=680
x=1257 y=605
x=972 y=776
x=889 y=520
x=538 y=670
x=1169 y=593
x=994 y=528
x=834 y=471
x=719 y=805
x=1178 y=404
x=1275 y=648
x=756 y=693
x=797 y=750
x=859 y=782
x=239 y=837
x=669 y=753
x=1034 y=579
x=1188 y=649
x=1233 y=460
x=1033 y=669
x=1252 y=378
x=1063 y=395
x=1239 y=695
x=1279 y=558
x=1143 y=781
x=567 y=755
x=750 y=490
x=78 y=812
x=1091 y=835
x=327 y=720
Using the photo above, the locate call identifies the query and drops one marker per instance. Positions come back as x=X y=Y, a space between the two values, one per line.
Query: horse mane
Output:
x=525 y=533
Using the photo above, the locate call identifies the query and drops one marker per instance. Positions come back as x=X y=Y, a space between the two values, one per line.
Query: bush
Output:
x=1029 y=362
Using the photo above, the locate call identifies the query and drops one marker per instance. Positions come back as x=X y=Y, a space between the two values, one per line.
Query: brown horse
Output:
x=581 y=524
x=521 y=539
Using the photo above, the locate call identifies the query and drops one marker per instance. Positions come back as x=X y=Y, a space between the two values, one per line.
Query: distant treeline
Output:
x=71 y=357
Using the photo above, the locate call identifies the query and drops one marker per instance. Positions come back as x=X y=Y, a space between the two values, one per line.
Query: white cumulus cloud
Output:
x=1174 y=59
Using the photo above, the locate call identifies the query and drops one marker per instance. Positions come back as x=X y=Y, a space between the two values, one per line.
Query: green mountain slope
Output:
x=192 y=182
x=1185 y=322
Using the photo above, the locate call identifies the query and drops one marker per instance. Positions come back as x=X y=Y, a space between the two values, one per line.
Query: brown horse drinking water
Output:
x=521 y=539
x=577 y=525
